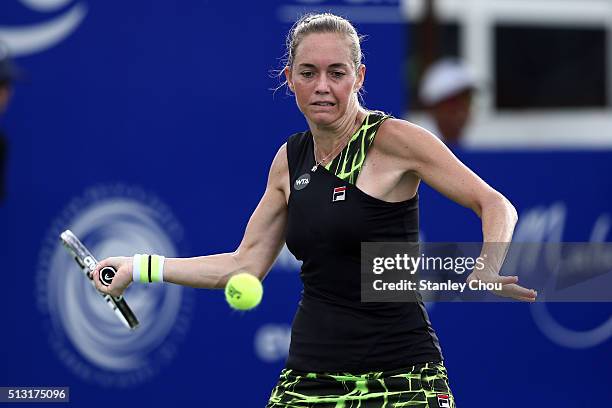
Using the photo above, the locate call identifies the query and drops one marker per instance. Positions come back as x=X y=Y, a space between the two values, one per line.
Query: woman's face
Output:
x=323 y=77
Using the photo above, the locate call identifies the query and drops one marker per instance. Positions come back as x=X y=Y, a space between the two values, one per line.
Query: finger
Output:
x=105 y=262
x=116 y=293
x=531 y=298
x=524 y=292
x=100 y=265
x=94 y=276
x=112 y=289
x=506 y=280
x=518 y=292
x=99 y=286
x=96 y=279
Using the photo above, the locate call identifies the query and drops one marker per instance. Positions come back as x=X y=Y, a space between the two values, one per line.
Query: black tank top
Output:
x=328 y=218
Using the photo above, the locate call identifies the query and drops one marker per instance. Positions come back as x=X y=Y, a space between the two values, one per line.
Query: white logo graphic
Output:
x=272 y=342
x=30 y=39
x=90 y=340
x=547 y=225
x=302 y=182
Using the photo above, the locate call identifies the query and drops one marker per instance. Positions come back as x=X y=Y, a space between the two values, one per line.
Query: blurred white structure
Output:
x=34 y=38
x=563 y=128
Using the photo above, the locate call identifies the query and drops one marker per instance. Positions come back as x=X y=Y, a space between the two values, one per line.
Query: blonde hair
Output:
x=323 y=23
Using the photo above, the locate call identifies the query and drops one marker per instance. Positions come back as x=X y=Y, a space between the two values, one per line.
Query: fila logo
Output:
x=443 y=401
x=339 y=194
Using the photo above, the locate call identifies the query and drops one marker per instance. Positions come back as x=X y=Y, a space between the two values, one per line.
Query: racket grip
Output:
x=106 y=275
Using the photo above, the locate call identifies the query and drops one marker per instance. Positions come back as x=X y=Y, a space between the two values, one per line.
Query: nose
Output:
x=322 y=85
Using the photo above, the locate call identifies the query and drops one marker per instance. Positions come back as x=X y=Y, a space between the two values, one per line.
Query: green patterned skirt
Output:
x=420 y=386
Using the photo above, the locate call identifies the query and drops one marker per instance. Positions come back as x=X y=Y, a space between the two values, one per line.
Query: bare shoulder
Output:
x=280 y=164
x=397 y=136
x=278 y=177
x=403 y=140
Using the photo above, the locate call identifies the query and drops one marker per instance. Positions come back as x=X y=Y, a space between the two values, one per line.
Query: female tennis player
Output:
x=351 y=178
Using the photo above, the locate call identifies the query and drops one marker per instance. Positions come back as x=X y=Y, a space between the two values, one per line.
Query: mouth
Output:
x=323 y=104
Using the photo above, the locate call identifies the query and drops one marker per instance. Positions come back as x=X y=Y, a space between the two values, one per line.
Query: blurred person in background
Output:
x=8 y=74
x=446 y=92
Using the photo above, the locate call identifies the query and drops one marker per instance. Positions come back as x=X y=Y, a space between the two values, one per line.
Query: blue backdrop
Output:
x=159 y=115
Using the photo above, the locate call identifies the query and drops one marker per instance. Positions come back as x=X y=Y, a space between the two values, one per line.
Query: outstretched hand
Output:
x=122 y=279
x=510 y=288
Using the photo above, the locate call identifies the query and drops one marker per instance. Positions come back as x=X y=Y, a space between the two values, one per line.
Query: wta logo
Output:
x=32 y=38
x=86 y=336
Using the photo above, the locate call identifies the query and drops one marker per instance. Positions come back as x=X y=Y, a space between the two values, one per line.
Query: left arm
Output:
x=419 y=152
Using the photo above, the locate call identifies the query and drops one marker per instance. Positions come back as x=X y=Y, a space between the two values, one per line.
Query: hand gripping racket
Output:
x=88 y=263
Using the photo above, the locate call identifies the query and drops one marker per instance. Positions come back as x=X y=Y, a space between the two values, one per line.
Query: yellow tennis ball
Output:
x=243 y=291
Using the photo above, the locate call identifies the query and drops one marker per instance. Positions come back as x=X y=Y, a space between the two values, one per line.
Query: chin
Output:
x=323 y=118
x=322 y=121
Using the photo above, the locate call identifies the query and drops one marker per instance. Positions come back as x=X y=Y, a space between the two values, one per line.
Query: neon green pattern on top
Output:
x=347 y=165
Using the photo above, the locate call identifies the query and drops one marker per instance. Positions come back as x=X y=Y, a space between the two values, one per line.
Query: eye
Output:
x=307 y=74
x=337 y=74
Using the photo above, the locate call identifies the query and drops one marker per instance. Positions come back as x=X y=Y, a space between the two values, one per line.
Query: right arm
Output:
x=263 y=239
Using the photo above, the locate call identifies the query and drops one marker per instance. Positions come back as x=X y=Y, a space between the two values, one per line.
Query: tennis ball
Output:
x=243 y=291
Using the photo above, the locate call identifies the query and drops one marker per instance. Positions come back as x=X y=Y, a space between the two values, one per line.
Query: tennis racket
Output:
x=88 y=263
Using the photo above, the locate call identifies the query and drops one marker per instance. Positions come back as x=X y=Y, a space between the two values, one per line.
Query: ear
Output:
x=289 y=78
x=360 y=78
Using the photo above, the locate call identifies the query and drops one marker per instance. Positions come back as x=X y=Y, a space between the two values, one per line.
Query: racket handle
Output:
x=107 y=274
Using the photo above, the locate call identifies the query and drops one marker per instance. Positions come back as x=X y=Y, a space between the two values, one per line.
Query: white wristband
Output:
x=136 y=268
x=148 y=268
x=162 y=261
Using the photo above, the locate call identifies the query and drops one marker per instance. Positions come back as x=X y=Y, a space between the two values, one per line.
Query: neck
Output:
x=329 y=137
